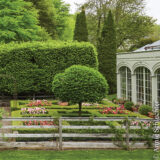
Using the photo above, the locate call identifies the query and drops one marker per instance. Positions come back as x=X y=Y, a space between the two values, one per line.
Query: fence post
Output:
x=60 y=134
x=127 y=134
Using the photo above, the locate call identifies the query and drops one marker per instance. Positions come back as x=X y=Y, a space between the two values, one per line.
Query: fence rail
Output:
x=69 y=127
x=60 y=144
x=76 y=119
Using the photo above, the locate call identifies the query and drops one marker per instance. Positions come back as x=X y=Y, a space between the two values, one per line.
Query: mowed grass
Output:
x=77 y=155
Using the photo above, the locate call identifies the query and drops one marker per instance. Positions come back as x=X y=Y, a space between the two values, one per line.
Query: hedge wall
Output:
x=32 y=66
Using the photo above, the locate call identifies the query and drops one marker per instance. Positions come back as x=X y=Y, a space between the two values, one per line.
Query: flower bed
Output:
x=114 y=110
x=38 y=103
x=36 y=110
x=141 y=123
x=36 y=123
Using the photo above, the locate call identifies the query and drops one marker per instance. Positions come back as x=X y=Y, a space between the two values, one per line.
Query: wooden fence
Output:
x=60 y=144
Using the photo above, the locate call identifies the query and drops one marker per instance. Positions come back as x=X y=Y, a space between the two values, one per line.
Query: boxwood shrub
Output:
x=31 y=66
x=144 y=109
x=129 y=105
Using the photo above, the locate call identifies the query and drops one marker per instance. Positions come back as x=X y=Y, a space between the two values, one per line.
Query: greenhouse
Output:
x=138 y=74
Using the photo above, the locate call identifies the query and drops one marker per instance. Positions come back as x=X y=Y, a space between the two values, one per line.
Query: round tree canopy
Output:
x=80 y=84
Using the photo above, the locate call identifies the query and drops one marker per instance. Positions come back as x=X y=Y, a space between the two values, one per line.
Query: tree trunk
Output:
x=80 y=108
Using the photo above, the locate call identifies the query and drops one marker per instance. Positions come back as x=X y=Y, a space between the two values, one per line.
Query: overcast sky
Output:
x=152 y=7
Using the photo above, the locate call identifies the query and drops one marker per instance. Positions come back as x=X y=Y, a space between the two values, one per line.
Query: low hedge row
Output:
x=74 y=113
x=30 y=67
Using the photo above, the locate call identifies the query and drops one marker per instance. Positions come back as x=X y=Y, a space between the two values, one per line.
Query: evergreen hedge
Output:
x=33 y=65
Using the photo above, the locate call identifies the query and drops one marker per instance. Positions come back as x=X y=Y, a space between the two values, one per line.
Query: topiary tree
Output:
x=81 y=31
x=80 y=84
x=107 y=52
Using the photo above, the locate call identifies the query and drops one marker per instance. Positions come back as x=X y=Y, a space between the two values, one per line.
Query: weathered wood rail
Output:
x=60 y=144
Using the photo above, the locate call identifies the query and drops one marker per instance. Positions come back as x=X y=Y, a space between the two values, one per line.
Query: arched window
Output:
x=158 y=84
x=143 y=85
x=125 y=83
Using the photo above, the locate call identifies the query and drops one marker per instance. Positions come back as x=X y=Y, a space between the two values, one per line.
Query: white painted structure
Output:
x=138 y=74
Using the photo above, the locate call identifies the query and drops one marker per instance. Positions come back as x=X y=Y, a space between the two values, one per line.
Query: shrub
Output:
x=33 y=65
x=80 y=84
x=129 y=105
x=145 y=109
x=1 y=113
x=119 y=101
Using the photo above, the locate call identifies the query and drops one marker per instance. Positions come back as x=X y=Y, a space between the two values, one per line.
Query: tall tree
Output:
x=155 y=36
x=107 y=52
x=81 y=31
x=62 y=17
x=129 y=19
x=69 y=29
x=19 y=21
x=47 y=15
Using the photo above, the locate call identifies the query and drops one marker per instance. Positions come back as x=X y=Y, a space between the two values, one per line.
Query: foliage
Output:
x=118 y=139
x=107 y=52
x=19 y=22
x=155 y=36
x=119 y=101
x=81 y=31
x=132 y=28
x=80 y=84
x=144 y=109
x=47 y=15
x=69 y=29
x=130 y=21
x=1 y=113
x=111 y=97
x=141 y=43
x=129 y=105
x=62 y=16
x=156 y=32
x=145 y=134
x=33 y=65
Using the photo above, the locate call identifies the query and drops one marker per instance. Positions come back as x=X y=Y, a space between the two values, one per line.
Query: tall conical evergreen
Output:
x=81 y=31
x=107 y=52
x=47 y=14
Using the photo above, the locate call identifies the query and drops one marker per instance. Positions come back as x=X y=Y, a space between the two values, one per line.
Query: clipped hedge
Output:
x=33 y=65
x=129 y=105
x=145 y=109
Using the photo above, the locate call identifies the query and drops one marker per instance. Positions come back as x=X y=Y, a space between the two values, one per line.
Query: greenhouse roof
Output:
x=149 y=47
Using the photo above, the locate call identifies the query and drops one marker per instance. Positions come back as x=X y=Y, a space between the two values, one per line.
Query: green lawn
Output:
x=111 y=96
x=77 y=155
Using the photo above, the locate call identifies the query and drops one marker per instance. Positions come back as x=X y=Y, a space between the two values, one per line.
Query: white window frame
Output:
x=143 y=83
